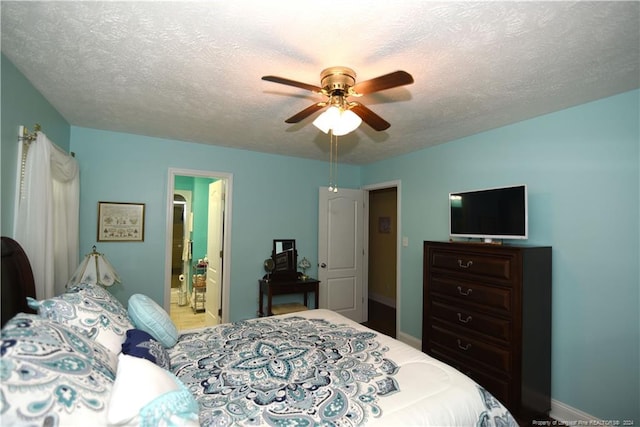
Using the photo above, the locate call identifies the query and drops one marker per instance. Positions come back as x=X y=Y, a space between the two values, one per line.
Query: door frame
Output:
x=186 y=194
x=365 y=291
x=226 y=244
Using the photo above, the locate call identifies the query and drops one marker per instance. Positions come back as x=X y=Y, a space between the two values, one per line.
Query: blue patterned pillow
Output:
x=97 y=291
x=90 y=309
x=51 y=375
x=140 y=344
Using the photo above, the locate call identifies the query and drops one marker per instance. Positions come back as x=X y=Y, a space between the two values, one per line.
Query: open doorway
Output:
x=181 y=246
x=383 y=249
x=190 y=248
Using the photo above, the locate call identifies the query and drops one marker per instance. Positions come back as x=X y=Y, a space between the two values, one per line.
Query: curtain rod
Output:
x=27 y=137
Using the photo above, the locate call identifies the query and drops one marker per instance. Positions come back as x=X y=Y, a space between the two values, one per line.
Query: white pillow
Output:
x=144 y=394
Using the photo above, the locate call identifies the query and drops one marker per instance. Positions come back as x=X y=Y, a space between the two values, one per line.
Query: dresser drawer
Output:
x=463 y=291
x=472 y=321
x=461 y=347
x=487 y=266
x=498 y=386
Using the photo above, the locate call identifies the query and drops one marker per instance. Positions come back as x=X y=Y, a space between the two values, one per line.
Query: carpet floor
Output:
x=382 y=318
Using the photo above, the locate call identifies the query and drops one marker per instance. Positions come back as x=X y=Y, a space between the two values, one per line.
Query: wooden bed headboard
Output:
x=17 y=280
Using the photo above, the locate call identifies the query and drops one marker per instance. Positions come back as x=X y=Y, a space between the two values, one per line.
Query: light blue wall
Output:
x=21 y=104
x=581 y=168
x=273 y=197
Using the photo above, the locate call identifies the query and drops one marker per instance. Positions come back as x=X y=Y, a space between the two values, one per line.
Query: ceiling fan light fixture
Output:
x=325 y=121
x=338 y=84
x=340 y=122
x=349 y=121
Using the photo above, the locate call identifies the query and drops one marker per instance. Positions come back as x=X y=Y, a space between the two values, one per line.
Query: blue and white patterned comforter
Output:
x=320 y=368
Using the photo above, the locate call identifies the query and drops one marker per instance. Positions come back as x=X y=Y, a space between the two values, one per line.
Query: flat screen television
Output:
x=492 y=213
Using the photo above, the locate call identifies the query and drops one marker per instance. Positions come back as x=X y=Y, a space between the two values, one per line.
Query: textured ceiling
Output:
x=191 y=70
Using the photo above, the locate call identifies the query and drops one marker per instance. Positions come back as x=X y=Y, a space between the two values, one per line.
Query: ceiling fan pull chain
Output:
x=335 y=165
x=330 y=160
x=333 y=162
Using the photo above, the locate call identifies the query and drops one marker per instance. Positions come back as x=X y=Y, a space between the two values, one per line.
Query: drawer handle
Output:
x=465 y=293
x=463 y=347
x=465 y=265
x=467 y=320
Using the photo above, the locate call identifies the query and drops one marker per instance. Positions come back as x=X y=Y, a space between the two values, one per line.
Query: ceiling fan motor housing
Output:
x=337 y=79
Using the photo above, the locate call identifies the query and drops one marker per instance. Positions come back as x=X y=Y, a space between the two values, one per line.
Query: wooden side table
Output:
x=283 y=287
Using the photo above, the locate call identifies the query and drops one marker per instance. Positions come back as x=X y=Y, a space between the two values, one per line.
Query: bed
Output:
x=84 y=358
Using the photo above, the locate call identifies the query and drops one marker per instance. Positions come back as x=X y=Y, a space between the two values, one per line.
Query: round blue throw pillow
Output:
x=148 y=316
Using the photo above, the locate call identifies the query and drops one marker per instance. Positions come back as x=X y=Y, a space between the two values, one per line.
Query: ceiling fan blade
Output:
x=306 y=112
x=369 y=117
x=282 y=80
x=388 y=81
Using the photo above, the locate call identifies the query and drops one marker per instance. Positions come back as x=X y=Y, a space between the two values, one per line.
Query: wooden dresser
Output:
x=487 y=312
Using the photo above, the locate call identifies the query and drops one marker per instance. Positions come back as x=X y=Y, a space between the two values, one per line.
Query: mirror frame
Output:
x=285 y=261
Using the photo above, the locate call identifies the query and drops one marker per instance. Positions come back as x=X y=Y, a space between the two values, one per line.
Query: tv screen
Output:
x=493 y=213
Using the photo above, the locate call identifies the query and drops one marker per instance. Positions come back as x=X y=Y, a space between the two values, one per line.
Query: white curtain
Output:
x=47 y=215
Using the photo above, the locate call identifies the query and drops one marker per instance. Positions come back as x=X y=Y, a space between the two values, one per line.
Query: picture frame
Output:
x=120 y=222
x=384 y=224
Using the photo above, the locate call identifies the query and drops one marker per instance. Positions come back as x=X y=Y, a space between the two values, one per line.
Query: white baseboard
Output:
x=571 y=416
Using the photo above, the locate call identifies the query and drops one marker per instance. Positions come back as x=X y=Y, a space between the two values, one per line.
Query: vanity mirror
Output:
x=285 y=258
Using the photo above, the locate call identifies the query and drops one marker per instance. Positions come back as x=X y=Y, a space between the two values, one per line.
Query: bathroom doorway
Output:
x=187 y=246
x=181 y=246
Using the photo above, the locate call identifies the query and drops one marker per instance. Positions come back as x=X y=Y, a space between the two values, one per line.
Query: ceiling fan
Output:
x=338 y=84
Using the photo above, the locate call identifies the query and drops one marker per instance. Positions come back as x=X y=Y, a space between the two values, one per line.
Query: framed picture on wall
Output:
x=120 y=222
x=384 y=224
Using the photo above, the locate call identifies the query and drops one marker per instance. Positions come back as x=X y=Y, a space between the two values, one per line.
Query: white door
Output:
x=214 y=253
x=341 y=251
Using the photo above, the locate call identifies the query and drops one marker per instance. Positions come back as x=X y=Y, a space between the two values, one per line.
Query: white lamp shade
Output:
x=340 y=122
x=95 y=269
x=349 y=121
x=325 y=121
